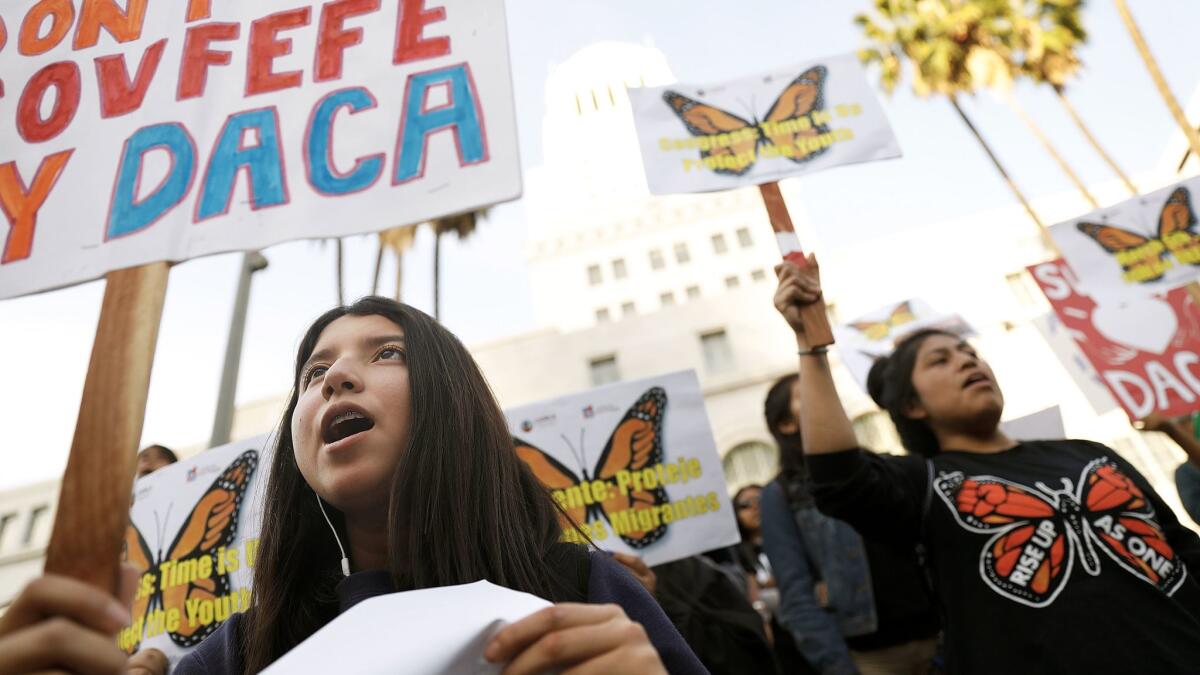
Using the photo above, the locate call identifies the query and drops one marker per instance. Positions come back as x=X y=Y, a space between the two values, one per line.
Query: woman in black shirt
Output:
x=1047 y=556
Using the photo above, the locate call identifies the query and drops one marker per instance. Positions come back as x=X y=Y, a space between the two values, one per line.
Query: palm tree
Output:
x=1050 y=33
x=462 y=224
x=1193 y=137
x=398 y=240
x=341 y=286
x=942 y=41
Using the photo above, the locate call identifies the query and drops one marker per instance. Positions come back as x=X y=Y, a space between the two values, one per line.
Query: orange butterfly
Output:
x=787 y=130
x=1144 y=259
x=212 y=525
x=635 y=444
x=878 y=330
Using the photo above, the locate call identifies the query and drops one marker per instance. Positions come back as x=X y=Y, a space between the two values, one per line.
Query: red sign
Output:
x=1147 y=350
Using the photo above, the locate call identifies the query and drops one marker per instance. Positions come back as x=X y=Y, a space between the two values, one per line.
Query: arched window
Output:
x=875 y=430
x=748 y=463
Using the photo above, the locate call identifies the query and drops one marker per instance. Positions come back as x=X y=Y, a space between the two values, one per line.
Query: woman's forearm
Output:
x=824 y=426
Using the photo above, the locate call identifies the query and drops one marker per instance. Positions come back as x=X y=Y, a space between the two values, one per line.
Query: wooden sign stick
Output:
x=816 y=322
x=93 y=505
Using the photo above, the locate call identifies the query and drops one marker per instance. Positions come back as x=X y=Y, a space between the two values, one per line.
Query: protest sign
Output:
x=432 y=630
x=874 y=334
x=193 y=536
x=171 y=130
x=1041 y=425
x=634 y=464
x=717 y=136
x=1146 y=350
x=1085 y=377
x=1139 y=248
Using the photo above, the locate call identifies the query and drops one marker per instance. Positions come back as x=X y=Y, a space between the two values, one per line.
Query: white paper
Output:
x=870 y=336
x=434 y=630
x=1042 y=425
x=740 y=142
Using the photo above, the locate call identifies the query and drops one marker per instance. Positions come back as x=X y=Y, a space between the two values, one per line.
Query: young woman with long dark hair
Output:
x=393 y=444
x=1046 y=556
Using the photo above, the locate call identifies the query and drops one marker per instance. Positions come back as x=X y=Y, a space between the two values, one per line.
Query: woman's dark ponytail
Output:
x=890 y=385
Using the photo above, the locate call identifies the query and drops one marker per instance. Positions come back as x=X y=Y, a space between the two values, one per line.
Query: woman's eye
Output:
x=391 y=354
x=313 y=373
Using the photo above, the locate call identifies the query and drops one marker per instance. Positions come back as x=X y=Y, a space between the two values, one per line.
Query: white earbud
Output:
x=345 y=559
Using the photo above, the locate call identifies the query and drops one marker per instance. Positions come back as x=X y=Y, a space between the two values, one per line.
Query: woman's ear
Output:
x=913 y=410
x=789 y=427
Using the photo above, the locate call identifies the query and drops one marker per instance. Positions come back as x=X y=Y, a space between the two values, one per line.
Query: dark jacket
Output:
x=607 y=582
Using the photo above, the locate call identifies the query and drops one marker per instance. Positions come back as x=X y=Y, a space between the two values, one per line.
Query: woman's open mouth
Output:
x=344 y=425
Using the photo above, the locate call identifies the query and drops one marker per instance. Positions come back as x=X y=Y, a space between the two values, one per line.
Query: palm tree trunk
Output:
x=375 y=273
x=1193 y=137
x=437 y=277
x=1087 y=133
x=399 y=274
x=1049 y=147
x=1046 y=240
x=341 y=290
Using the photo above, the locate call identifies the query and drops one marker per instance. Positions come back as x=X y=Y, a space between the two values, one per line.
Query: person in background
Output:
x=154 y=457
x=853 y=605
x=1187 y=475
x=710 y=611
x=1049 y=556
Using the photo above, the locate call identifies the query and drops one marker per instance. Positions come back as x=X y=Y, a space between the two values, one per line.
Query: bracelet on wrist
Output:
x=815 y=351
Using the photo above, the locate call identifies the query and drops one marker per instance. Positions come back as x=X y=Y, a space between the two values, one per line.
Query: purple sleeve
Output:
x=218 y=654
x=609 y=582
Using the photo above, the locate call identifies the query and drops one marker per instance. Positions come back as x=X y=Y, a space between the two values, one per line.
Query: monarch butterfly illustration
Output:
x=1040 y=531
x=786 y=130
x=878 y=330
x=211 y=525
x=636 y=443
x=1143 y=258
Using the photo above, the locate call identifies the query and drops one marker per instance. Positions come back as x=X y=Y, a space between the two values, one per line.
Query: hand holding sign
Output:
x=798 y=294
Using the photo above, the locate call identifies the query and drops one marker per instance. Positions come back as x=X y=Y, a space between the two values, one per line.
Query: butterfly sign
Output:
x=193 y=537
x=1139 y=248
x=633 y=467
x=874 y=334
x=705 y=137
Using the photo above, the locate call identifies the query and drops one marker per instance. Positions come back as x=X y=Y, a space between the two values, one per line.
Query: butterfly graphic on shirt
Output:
x=875 y=331
x=1039 y=532
x=636 y=443
x=1144 y=258
x=211 y=525
x=787 y=128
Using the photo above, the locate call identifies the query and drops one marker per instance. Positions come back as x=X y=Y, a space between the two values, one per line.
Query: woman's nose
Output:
x=341 y=376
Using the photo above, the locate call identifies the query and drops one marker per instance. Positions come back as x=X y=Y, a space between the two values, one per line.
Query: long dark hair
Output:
x=890 y=384
x=777 y=409
x=463 y=506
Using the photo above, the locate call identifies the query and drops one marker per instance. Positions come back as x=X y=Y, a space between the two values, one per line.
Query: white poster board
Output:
x=193 y=536
x=634 y=464
x=1139 y=248
x=789 y=121
x=186 y=128
x=870 y=336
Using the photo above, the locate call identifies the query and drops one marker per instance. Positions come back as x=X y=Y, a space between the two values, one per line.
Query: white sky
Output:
x=45 y=340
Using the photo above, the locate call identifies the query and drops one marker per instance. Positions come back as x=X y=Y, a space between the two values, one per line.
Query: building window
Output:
x=627 y=309
x=594 y=276
x=758 y=275
x=604 y=370
x=681 y=253
x=656 y=259
x=693 y=292
x=731 y=282
x=667 y=299
x=753 y=463
x=35 y=514
x=718 y=355
x=719 y=245
x=743 y=235
x=602 y=315
x=4 y=521
x=619 y=271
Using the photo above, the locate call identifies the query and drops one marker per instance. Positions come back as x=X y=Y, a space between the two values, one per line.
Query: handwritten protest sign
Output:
x=170 y=130
x=874 y=334
x=1137 y=249
x=716 y=136
x=634 y=464
x=193 y=535
x=1146 y=350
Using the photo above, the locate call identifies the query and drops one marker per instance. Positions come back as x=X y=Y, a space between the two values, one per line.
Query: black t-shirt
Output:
x=1050 y=557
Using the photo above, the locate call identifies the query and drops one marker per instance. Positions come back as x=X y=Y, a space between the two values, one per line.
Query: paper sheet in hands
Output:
x=433 y=630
